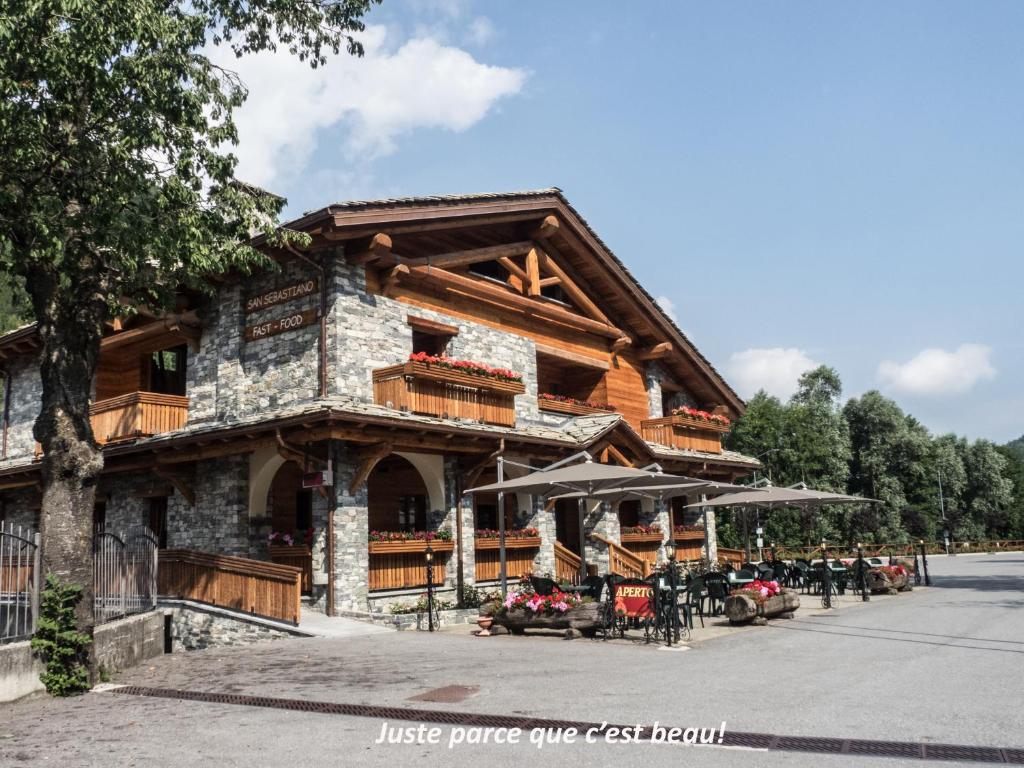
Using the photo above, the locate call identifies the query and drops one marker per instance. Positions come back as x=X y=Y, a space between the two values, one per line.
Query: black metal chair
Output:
x=765 y=572
x=718 y=590
x=592 y=586
x=780 y=573
x=695 y=598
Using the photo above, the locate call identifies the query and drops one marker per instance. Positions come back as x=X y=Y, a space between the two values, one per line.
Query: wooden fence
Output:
x=264 y=589
x=403 y=564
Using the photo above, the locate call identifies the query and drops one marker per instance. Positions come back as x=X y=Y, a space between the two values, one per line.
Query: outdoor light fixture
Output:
x=428 y=555
x=924 y=563
x=826 y=577
x=670 y=551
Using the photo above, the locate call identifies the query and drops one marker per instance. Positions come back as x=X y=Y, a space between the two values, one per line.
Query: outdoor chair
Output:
x=592 y=587
x=765 y=572
x=718 y=590
x=745 y=573
x=543 y=586
x=695 y=598
x=781 y=574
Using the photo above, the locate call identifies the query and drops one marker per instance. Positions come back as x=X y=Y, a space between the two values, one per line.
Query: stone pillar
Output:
x=711 y=549
x=457 y=506
x=657 y=513
x=544 y=521
x=351 y=535
x=601 y=518
x=318 y=601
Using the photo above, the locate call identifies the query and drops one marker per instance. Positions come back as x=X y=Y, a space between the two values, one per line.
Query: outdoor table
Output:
x=738 y=580
x=583 y=591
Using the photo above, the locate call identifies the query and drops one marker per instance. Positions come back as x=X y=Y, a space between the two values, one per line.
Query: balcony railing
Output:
x=402 y=564
x=685 y=433
x=436 y=391
x=137 y=414
x=570 y=407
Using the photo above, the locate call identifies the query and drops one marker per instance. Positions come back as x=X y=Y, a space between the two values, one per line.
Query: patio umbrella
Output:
x=585 y=479
x=772 y=497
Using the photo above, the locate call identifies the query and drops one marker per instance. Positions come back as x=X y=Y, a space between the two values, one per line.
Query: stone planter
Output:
x=880 y=582
x=586 y=618
x=742 y=609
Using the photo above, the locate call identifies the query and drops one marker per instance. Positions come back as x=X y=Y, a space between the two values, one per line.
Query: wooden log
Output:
x=586 y=617
x=741 y=609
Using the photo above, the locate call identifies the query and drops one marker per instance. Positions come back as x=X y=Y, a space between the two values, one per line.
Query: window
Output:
x=167 y=371
x=99 y=515
x=431 y=343
x=158 y=519
x=629 y=513
x=412 y=513
x=557 y=376
x=491 y=269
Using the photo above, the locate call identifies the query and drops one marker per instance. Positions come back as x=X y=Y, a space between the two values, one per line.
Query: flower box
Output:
x=695 y=423
x=641 y=538
x=570 y=407
x=453 y=377
x=528 y=542
x=688 y=535
x=741 y=609
x=586 y=618
x=408 y=547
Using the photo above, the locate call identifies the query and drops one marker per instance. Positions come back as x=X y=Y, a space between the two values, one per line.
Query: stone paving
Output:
x=935 y=665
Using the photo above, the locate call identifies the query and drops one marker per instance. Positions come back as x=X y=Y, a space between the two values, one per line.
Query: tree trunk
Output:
x=69 y=334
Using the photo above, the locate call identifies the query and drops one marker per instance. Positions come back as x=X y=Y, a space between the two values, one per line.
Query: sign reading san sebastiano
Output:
x=280 y=295
x=286 y=321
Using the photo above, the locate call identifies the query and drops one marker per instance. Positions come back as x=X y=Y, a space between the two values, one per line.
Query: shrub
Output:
x=63 y=649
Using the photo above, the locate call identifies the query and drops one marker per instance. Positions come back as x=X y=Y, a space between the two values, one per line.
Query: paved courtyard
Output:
x=939 y=665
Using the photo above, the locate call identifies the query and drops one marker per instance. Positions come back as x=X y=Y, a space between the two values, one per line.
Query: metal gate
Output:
x=124 y=566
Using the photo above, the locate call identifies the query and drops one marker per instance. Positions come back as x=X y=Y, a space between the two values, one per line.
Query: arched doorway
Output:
x=290 y=512
x=398 y=497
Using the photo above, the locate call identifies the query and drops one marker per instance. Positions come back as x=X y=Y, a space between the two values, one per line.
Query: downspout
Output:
x=7 y=406
x=322 y=343
x=460 y=577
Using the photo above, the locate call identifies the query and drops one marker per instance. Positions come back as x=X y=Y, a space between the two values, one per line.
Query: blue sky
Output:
x=802 y=183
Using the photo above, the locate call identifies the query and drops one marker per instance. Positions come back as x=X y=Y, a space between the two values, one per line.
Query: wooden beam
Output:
x=391 y=281
x=471 y=256
x=573 y=291
x=546 y=281
x=619 y=456
x=378 y=249
x=621 y=343
x=514 y=268
x=572 y=357
x=658 y=351
x=533 y=273
x=370 y=458
x=297 y=454
x=431 y=326
x=503 y=297
x=473 y=473
x=547 y=228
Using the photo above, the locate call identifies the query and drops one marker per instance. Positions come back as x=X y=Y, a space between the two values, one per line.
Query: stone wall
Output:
x=126 y=642
x=372 y=332
x=26 y=397
x=19 y=671
x=351 y=535
x=195 y=627
x=21 y=507
x=653 y=376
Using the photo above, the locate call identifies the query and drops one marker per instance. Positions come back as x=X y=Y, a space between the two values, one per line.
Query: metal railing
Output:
x=19 y=582
x=124 y=569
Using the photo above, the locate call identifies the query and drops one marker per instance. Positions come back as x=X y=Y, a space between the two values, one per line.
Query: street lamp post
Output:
x=862 y=583
x=429 y=555
x=672 y=612
x=924 y=564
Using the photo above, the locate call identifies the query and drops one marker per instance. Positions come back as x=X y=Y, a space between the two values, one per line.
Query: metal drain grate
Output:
x=767 y=741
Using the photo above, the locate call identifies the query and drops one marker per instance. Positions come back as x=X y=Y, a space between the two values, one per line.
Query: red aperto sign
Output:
x=634 y=598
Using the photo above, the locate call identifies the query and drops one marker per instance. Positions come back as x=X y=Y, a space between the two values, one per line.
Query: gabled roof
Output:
x=363 y=218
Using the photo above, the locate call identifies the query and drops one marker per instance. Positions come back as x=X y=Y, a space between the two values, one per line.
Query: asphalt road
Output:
x=939 y=665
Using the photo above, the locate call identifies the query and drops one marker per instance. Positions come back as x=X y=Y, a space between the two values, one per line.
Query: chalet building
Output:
x=327 y=404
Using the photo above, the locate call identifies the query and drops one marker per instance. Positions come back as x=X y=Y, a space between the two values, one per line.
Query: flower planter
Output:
x=572 y=409
x=528 y=542
x=697 y=535
x=586 y=618
x=408 y=547
x=451 y=376
x=741 y=609
x=641 y=538
x=880 y=582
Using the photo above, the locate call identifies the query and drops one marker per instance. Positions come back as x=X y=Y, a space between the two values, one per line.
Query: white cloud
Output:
x=375 y=99
x=668 y=307
x=776 y=370
x=938 y=372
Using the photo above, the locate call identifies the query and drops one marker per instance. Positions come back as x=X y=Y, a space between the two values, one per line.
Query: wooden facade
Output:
x=684 y=433
x=519 y=555
x=403 y=564
x=137 y=414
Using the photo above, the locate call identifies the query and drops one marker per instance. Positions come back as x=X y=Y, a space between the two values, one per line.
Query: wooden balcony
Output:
x=445 y=393
x=519 y=554
x=402 y=564
x=137 y=414
x=684 y=433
